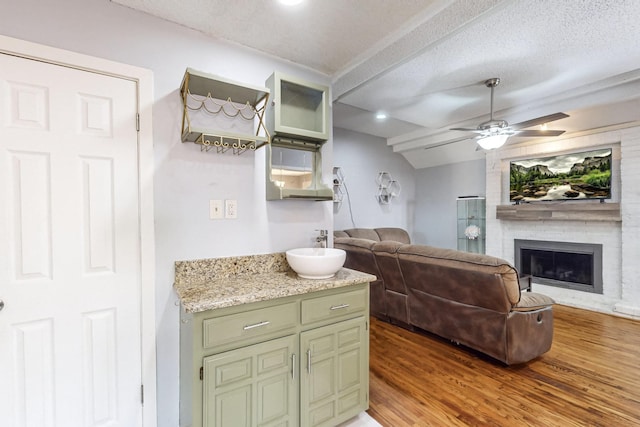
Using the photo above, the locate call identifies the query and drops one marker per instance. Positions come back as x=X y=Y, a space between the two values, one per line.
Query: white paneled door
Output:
x=70 y=344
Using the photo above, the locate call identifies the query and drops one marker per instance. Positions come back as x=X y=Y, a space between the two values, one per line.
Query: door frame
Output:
x=144 y=82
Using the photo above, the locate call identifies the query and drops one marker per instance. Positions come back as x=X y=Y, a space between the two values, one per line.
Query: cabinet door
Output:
x=252 y=386
x=334 y=380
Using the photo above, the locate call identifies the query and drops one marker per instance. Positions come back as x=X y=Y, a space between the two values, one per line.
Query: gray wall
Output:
x=361 y=158
x=436 y=191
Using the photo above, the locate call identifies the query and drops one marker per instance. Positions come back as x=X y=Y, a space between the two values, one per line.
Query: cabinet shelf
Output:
x=218 y=103
x=300 y=108
x=471 y=218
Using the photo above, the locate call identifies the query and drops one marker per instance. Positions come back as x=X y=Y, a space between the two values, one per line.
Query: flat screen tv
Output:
x=573 y=176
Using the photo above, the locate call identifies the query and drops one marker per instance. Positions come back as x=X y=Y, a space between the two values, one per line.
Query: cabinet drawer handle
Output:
x=309 y=361
x=256 y=325
x=338 y=307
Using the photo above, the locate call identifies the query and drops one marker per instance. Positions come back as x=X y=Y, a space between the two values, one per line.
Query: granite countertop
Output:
x=224 y=282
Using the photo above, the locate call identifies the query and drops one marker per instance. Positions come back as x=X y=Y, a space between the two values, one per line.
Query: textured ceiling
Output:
x=423 y=62
x=325 y=35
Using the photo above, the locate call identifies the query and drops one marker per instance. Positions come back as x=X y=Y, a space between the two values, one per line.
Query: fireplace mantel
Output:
x=560 y=211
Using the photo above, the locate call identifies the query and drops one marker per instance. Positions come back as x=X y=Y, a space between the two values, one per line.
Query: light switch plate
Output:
x=231 y=209
x=216 y=209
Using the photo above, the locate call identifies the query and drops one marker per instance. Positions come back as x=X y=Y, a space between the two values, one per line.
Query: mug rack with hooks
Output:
x=216 y=97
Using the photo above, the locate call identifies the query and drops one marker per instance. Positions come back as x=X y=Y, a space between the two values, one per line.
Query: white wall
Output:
x=436 y=191
x=361 y=158
x=185 y=178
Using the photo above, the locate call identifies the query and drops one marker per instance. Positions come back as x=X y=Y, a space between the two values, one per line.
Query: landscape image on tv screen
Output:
x=585 y=175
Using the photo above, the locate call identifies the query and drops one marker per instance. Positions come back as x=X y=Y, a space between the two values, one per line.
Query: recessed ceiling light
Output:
x=381 y=116
x=290 y=2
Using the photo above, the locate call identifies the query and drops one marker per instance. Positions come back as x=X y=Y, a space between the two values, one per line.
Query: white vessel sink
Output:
x=316 y=263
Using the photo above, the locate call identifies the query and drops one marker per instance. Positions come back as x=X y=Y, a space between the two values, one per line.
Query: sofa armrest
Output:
x=531 y=301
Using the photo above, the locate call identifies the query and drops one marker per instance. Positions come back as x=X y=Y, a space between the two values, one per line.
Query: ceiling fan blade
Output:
x=532 y=132
x=539 y=121
x=467 y=130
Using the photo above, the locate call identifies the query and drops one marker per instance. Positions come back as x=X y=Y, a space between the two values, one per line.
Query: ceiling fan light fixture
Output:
x=290 y=2
x=492 y=141
x=494 y=133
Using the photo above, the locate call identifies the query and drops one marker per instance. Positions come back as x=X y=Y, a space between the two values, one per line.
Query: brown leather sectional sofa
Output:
x=471 y=299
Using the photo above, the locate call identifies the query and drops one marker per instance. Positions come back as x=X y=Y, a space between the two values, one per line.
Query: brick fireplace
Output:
x=616 y=232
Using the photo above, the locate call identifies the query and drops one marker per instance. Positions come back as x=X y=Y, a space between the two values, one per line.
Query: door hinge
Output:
x=142 y=394
x=201 y=373
x=138 y=122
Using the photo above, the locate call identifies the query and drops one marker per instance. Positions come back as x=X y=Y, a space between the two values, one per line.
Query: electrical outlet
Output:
x=231 y=209
x=216 y=209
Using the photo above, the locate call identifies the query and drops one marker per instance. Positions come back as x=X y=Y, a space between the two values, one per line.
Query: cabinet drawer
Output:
x=250 y=326
x=332 y=306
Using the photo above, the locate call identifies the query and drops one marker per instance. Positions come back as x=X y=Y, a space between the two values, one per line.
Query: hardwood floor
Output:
x=590 y=377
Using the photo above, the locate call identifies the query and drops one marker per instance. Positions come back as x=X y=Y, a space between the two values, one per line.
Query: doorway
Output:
x=76 y=243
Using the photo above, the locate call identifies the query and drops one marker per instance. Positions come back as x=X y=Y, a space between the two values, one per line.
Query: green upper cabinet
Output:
x=297 y=120
x=299 y=109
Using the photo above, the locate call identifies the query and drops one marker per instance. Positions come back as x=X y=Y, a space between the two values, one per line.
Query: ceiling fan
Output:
x=494 y=133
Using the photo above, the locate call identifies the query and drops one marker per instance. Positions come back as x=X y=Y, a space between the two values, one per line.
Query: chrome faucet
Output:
x=323 y=238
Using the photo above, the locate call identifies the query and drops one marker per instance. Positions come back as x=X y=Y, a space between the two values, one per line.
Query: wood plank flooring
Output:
x=590 y=377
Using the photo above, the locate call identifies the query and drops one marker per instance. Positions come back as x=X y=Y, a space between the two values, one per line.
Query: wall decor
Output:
x=388 y=188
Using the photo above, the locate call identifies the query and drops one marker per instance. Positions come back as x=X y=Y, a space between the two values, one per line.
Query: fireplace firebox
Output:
x=576 y=266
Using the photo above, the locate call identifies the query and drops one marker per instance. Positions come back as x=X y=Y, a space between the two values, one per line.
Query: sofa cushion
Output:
x=353 y=242
x=470 y=278
x=360 y=257
x=387 y=246
x=339 y=233
x=385 y=253
x=359 y=254
x=363 y=233
x=394 y=234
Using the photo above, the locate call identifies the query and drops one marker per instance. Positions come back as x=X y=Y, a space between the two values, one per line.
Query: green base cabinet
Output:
x=293 y=361
x=334 y=382
x=252 y=386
